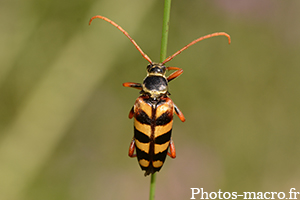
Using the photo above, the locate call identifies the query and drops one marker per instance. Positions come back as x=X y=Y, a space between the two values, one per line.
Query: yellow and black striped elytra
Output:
x=153 y=120
x=153 y=110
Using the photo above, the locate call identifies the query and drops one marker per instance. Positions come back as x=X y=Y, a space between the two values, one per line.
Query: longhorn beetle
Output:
x=153 y=109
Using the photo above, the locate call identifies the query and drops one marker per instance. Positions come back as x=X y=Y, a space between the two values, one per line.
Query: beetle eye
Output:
x=149 y=67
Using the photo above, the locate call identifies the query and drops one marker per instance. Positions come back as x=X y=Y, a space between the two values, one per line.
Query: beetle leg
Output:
x=179 y=113
x=134 y=85
x=175 y=74
x=172 y=153
x=131 y=113
x=131 y=149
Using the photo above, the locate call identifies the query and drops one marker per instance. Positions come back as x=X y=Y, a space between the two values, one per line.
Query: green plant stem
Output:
x=152 y=186
x=165 y=30
x=163 y=54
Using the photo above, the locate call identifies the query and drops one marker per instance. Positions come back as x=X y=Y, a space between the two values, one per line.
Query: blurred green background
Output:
x=64 y=121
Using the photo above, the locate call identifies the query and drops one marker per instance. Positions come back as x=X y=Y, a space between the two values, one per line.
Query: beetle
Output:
x=153 y=109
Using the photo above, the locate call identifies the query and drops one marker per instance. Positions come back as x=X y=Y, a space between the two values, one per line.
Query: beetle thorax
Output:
x=155 y=84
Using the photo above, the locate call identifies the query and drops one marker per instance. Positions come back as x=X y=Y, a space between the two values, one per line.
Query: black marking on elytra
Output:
x=140 y=136
x=162 y=139
x=143 y=118
x=141 y=154
x=160 y=156
x=164 y=119
x=150 y=169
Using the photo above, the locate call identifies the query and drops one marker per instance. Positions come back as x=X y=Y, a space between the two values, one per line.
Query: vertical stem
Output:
x=165 y=30
x=152 y=186
x=163 y=55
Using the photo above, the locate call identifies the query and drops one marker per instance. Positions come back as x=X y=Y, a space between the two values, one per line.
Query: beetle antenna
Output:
x=125 y=33
x=194 y=42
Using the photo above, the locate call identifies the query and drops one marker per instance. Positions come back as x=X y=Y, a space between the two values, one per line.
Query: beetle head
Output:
x=156 y=69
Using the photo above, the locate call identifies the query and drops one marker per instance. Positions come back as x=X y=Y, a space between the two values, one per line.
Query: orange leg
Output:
x=172 y=153
x=134 y=85
x=131 y=149
x=131 y=113
x=179 y=113
x=175 y=74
